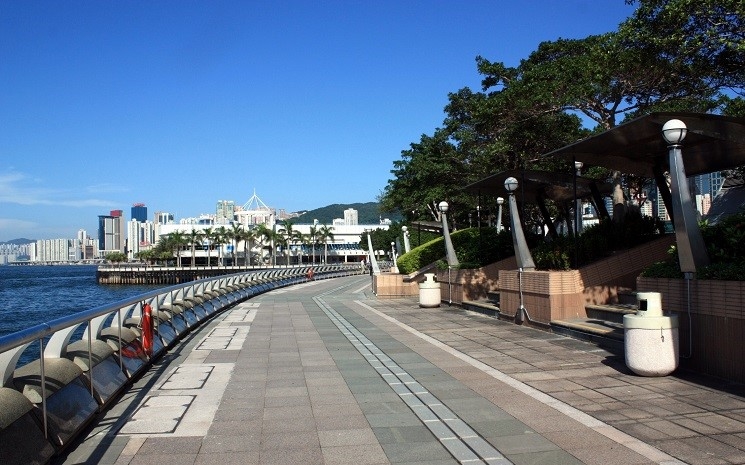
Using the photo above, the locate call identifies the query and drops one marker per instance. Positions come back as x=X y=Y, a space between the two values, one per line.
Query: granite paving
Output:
x=274 y=380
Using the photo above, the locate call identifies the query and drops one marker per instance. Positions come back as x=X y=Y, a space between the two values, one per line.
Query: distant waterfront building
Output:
x=224 y=211
x=201 y=220
x=56 y=250
x=163 y=218
x=140 y=236
x=351 y=217
x=88 y=249
x=139 y=212
x=111 y=233
x=256 y=212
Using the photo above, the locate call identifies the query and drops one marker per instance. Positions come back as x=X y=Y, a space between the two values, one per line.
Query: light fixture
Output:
x=510 y=184
x=500 y=200
x=674 y=131
x=443 y=206
x=404 y=229
x=578 y=165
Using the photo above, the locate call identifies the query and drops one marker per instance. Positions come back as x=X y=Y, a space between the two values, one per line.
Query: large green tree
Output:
x=671 y=55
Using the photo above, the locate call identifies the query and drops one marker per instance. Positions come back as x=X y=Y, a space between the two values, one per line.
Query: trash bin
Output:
x=429 y=292
x=651 y=339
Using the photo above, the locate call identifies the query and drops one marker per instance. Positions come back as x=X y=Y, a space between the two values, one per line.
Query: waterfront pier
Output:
x=324 y=372
x=147 y=274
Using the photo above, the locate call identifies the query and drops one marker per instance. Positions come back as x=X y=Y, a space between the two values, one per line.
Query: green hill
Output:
x=367 y=213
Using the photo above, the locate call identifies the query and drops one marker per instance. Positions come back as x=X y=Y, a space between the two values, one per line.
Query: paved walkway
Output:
x=325 y=373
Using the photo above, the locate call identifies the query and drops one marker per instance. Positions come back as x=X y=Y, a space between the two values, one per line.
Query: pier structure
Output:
x=323 y=372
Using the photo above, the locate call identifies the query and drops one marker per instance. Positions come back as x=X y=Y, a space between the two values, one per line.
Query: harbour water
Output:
x=30 y=295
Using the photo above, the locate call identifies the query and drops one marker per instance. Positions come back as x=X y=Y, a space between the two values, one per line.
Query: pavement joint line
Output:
x=460 y=449
x=647 y=450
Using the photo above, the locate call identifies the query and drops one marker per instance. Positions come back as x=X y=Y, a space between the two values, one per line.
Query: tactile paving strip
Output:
x=465 y=445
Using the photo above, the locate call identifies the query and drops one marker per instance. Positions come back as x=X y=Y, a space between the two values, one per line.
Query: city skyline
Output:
x=177 y=104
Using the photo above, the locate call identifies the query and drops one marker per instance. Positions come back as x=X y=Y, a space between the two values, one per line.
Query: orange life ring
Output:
x=147 y=329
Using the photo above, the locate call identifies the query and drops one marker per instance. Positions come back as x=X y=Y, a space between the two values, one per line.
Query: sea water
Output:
x=31 y=295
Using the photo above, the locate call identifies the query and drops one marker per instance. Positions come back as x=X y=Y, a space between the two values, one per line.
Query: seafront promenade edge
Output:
x=323 y=372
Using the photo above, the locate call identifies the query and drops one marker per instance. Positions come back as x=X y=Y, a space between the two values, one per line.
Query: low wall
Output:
x=392 y=285
x=711 y=342
x=547 y=295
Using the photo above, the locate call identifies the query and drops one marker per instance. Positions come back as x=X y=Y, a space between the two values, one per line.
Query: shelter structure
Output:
x=709 y=143
x=713 y=143
x=538 y=187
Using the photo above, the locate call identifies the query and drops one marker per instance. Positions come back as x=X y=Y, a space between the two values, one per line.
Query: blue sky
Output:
x=177 y=104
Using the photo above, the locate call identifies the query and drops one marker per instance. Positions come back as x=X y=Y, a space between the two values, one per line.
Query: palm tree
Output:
x=247 y=236
x=289 y=237
x=235 y=233
x=209 y=236
x=176 y=240
x=195 y=237
x=313 y=240
x=221 y=237
x=325 y=235
x=266 y=236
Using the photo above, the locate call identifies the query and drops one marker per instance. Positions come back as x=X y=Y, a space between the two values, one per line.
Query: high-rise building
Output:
x=111 y=236
x=139 y=212
x=140 y=236
x=56 y=250
x=224 y=211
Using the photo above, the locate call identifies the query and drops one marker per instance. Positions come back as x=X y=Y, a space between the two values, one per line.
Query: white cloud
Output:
x=14 y=224
x=20 y=189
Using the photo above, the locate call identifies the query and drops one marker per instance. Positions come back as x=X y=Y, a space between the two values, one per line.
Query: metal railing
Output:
x=212 y=294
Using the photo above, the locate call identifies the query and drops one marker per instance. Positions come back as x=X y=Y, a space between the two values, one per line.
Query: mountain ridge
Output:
x=367 y=213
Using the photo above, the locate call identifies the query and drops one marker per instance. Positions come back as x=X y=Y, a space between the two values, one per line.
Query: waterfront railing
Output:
x=88 y=358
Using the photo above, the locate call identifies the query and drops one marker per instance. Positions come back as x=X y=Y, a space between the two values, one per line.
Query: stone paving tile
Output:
x=301 y=393
x=227 y=458
x=420 y=451
x=291 y=456
x=248 y=442
x=163 y=459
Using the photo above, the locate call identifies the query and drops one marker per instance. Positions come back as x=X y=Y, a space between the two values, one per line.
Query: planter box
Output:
x=392 y=285
x=547 y=295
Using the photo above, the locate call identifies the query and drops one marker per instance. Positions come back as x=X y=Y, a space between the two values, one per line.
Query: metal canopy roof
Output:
x=558 y=187
x=713 y=143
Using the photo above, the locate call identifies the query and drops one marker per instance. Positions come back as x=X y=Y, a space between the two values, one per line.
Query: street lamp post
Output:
x=407 y=242
x=578 y=226
x=450 y=252
x=522 y=253
x=690 y=243
x=500 y=202
x=393 y=255
x=373 y=261
x=452 y=259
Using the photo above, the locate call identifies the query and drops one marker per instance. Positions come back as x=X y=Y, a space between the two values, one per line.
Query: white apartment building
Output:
x=57 y=250
x=351 y=217
x=140 y=236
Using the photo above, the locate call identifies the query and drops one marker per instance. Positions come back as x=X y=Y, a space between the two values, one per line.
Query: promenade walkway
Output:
x=325 y=373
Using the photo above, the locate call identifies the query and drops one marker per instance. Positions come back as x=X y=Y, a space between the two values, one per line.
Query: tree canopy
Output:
x=670 y=55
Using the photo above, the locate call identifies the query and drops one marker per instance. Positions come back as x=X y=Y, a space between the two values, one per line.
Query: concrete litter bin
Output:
x=650 y=339
x=429 y=292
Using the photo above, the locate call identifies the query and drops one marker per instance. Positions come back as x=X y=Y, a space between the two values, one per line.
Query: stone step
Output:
x=612 y=313
x=606 y=334
x=487 y=307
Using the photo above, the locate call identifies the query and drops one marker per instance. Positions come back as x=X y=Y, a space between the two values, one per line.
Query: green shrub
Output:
x=474 y=248
x=725 y=244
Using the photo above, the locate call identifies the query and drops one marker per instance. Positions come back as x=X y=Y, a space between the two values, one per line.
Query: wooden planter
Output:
x=547 y=295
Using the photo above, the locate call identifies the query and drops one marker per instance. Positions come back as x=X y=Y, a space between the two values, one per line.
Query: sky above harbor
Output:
x=179 y=104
